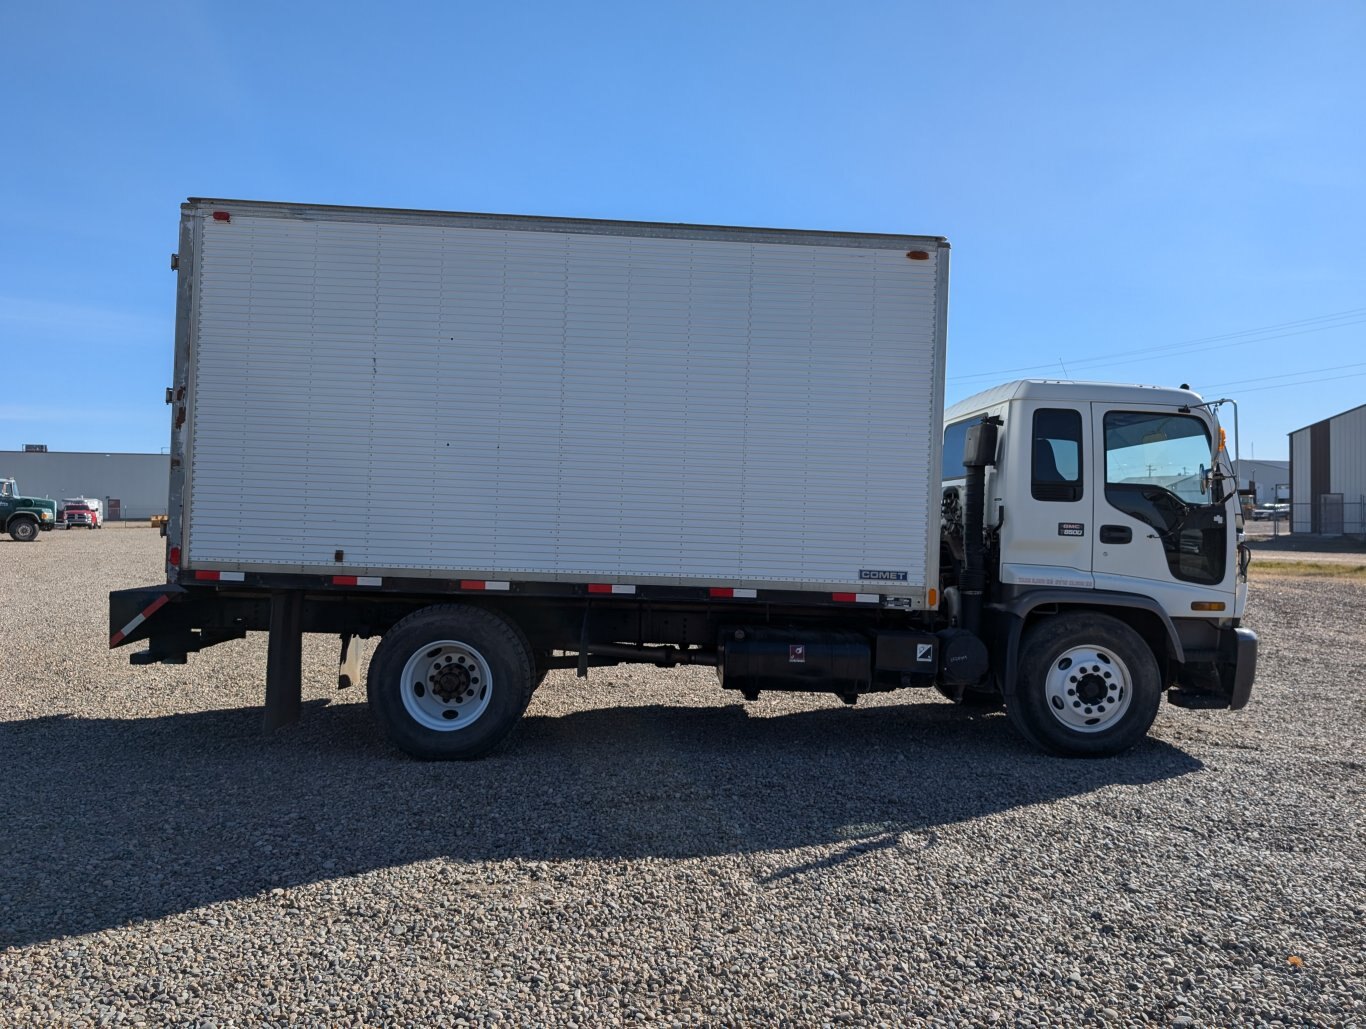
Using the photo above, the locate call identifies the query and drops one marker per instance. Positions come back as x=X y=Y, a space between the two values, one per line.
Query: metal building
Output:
x=1270 y=480
x=139 y=482
x=1328 y=475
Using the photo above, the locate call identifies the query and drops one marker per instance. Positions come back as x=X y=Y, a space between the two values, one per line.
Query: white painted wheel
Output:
x=446 y=685
x=1088 y=689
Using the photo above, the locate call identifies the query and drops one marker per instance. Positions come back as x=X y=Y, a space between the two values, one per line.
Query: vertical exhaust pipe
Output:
x=979 y=452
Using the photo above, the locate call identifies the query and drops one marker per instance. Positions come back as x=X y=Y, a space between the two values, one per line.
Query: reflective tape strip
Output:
x=211 y=576
x=856 y=598
x=727 y=591
x=610 y=587
x=147 y=613
x=356 y=580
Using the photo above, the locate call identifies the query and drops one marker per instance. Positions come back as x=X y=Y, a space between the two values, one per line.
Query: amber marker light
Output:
x=1207 y=605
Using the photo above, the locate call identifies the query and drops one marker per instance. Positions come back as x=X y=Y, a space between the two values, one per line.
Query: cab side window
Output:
x=1055 y=469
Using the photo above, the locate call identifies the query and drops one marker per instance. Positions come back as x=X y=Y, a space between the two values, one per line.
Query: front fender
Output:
x=1010 y=617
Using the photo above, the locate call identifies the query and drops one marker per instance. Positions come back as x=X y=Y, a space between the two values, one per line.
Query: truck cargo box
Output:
x=378 y=393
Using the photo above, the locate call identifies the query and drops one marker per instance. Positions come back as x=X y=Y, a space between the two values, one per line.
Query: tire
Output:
x=450 y=682
x=23 y=530
x=1087 y=686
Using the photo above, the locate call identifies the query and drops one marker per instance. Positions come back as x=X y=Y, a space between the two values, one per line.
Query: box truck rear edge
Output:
x=506 y=444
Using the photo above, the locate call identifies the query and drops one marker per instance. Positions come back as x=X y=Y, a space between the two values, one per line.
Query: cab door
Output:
x=1046 y=536
x=1153 y=520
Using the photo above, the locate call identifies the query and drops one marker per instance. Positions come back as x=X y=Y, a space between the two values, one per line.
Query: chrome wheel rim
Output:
x=446 y=685
x=1088 y=689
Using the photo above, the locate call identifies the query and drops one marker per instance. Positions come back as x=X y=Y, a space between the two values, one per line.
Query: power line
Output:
x=1318 y=323
x=1306 y=382
x=1283 y=375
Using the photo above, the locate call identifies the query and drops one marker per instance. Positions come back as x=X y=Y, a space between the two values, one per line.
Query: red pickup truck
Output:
x=82 y=513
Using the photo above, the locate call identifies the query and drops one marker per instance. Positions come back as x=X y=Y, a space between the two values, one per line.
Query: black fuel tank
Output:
x=809 y=661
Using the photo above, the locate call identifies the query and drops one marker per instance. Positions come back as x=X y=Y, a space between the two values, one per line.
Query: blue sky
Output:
x=1115 y=180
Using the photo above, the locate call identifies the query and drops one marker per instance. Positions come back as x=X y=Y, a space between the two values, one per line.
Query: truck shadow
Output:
x=113 y=821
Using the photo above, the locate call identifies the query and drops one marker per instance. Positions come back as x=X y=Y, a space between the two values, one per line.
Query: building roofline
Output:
x=84 y=453
x=1328 y=419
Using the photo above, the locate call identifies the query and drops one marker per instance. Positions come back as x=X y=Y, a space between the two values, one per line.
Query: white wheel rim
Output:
x=1088 y=689
x=446 y=685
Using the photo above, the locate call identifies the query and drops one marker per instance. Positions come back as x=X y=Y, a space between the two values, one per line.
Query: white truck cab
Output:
x=1115 y=501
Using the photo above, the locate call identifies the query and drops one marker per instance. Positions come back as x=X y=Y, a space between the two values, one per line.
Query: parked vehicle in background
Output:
x=24 y=517
x=1270 y=512
x=82 y=513
x=622 y=442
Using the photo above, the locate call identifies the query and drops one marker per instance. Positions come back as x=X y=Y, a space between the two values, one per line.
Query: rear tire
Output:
x=1087 y=686
x=450 y=682
x=23 y=530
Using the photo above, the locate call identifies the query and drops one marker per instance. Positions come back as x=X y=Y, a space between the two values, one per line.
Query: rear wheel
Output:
x=1088 y=686
x=23 y=530
x=450 y=682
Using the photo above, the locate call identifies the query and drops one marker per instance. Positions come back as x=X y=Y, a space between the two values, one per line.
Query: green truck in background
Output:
x=24 y=517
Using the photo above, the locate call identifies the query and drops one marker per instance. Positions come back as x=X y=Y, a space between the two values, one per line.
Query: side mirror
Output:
x=1204 y=479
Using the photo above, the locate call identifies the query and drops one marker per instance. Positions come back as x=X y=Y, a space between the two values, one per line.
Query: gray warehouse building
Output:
x=1328 y=475
x=1270 y=479
x=139 y=482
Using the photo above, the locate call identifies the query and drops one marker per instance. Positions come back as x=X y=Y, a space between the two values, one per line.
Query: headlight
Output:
x=44 y=515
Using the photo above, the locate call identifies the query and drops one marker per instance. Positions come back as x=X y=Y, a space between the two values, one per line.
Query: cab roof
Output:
x=1072 y=392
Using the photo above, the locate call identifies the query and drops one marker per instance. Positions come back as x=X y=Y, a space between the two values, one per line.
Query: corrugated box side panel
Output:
x=434 y=399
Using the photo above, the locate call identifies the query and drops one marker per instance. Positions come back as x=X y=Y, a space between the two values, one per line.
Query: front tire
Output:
x=1087 y=686
x=23 y=530
x=450 y=682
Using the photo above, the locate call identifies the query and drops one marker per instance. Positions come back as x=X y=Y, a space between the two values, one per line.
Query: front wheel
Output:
x=1087 y=686
x=23 y=530
x=450 y=682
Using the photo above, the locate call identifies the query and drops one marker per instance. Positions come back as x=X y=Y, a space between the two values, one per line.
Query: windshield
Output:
x=1157 y=449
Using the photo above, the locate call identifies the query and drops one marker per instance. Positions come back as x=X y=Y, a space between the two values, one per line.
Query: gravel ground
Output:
x=649 y=851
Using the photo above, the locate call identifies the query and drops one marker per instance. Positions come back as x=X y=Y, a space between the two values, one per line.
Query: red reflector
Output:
x=343 y=580
x=847 y=598
x=918 y=255
x=599 y=587
x=471 y=584
x=174 y=556
x=201 y=574
x=222 y=216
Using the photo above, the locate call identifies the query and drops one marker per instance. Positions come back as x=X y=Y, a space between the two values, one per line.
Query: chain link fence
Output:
x=1329 y=514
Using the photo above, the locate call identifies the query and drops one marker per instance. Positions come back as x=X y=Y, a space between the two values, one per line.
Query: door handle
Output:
x=1116 y=534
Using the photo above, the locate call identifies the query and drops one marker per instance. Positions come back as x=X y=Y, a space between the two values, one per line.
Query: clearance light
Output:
x=932 y=598
x=222 y=216
x=1223 y=440
x=174 y=556
x=1207 y=605
x=918 y=255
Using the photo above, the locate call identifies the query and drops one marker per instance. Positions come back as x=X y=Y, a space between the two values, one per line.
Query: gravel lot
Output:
x=650 y=851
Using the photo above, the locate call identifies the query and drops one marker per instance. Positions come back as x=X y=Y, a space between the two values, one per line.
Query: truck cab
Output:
x=1113 y=501
x=24 y=517
x=82 y=513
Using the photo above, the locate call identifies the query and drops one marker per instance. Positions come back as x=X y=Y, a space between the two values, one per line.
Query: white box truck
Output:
x=508 y=444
